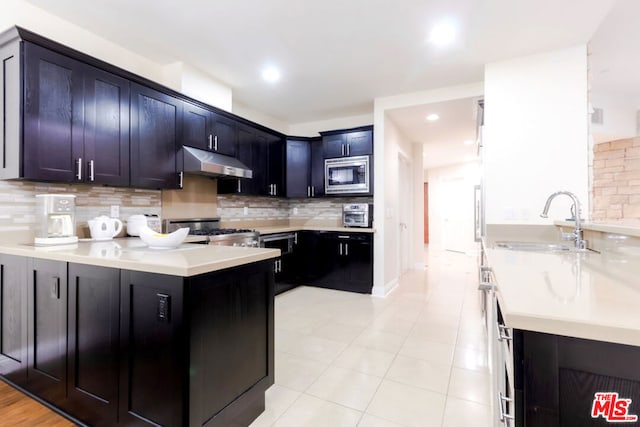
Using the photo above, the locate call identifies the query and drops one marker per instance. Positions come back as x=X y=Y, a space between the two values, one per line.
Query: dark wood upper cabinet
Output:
x=207 y=130
x=304 y=167
x=53 y=115
x=156 y=120
x=348 y=142
x=76 y=120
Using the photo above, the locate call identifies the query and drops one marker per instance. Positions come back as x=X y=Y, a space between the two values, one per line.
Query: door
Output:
x=53 y=115
x=106 y=128
x=405 y=213
x=94 y=320
x=458 y=212
x=47 y=330
x=426 y=213
x=155 y=126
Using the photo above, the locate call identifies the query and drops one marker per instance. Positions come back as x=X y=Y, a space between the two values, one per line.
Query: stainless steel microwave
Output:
x=347 y=175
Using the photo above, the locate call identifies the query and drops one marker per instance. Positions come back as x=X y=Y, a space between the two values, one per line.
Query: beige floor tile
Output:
x=366 y=360
x=336 y=331
x=420 y=373
x=321 y=349
x=277 y=400
x=296 y=372
x=427 y=350
x=470 y=358
x=369 y=420
x=309 y=411
x=348 y=388
x=470 y=385
x=380 y=340
x=463 y=413
x=407 y=405
x=435 y=332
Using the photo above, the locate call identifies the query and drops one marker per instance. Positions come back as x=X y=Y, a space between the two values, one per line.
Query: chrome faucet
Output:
x=576 y=236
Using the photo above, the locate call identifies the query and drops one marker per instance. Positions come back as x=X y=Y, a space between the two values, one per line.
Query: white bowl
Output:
x=163 y=241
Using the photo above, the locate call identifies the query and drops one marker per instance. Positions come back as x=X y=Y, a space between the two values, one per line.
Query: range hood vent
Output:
x=202 y=162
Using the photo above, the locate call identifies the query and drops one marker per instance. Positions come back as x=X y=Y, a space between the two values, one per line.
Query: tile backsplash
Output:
x=616 y=182
x=17 y=202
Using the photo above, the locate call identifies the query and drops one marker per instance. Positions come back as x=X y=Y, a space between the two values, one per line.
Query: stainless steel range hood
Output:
x=202 y=162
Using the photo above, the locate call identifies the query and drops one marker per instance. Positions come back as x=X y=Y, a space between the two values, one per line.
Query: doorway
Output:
x=405 y=213
x=426 y=213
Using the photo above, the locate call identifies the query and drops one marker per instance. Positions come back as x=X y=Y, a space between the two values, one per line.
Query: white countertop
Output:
x=585 y=295
x=289 y=229
x=627 y=230
x=132 y=254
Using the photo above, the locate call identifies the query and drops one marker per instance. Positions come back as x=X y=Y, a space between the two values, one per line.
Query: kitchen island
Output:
x=566 y=325
x=115 y=333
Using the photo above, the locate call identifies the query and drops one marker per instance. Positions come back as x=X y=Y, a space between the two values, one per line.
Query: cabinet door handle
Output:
x=313 y=191
x=504 y=416
x=275 y=189
x=55 y=288
x=215 y=143
x=346 y=249
x=503 y=335
x=92 y=171
x=295 y=238
x=210 y=142
x=239 y=186
x=308 y=191
x=342 y=147
x=340 y=249
x=180 y=178
x=348 y=149
x=79 y=174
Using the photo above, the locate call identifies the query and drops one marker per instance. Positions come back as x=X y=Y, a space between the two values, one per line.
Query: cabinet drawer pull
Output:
x=343 y=237
x=92 y=171
x=346 y=249
x=180 y=177
x=55 y=288
x=210 y=142
x=79 y=174
x=215 y=143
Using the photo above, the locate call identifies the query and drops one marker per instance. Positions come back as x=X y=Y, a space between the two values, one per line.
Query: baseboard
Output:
x=383 y=291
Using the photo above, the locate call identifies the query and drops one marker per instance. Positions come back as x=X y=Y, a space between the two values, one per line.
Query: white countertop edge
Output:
x=627 y=230
x=291 y=229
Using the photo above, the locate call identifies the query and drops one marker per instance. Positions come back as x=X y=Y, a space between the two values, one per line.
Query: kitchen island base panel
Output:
x=182 y=351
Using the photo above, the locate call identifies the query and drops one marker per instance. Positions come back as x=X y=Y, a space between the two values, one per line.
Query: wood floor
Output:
x=18 y=409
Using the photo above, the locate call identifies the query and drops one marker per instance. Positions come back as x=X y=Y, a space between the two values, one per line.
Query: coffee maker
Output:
x=55 y=219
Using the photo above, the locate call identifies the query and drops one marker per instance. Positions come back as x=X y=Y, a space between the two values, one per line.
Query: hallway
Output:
x=415 y=358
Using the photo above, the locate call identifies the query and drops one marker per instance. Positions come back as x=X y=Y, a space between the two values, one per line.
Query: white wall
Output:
x=439 y=199
x=260 y=117
x=535 y=135
x=619 y=116
x=177 y=76
x=386 y=182
x=312 y=128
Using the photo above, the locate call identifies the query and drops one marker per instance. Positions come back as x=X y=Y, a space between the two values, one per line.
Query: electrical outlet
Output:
x=246 y=211
x=115 y=211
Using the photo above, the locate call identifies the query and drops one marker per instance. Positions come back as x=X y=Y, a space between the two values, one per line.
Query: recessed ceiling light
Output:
x=443 y=34
x=468 y=142
x=433 y=117
x=271 y=74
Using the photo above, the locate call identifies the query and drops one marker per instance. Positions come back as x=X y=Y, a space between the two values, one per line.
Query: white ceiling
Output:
x=336 y=56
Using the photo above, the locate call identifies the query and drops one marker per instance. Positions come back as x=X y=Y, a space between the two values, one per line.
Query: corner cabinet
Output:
x=76 y=120
x=156 y=124
x=305 y=168
x=119 y=347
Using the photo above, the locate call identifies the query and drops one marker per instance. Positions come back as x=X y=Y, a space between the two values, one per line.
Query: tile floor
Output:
x=414 y=358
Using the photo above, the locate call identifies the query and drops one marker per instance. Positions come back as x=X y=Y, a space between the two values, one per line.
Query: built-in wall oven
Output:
x=347 y=175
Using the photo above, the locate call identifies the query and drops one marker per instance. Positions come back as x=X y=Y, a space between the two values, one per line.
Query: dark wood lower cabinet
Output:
x=557 y=378
x=119 y=347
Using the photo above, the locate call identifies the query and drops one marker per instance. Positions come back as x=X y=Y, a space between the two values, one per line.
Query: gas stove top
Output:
x=210 y=229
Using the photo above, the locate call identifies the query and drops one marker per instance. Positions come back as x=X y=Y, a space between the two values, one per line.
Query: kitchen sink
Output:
x=536 y=246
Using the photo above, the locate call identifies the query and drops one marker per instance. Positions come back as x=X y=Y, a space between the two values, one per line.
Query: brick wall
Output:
x=616 y=181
